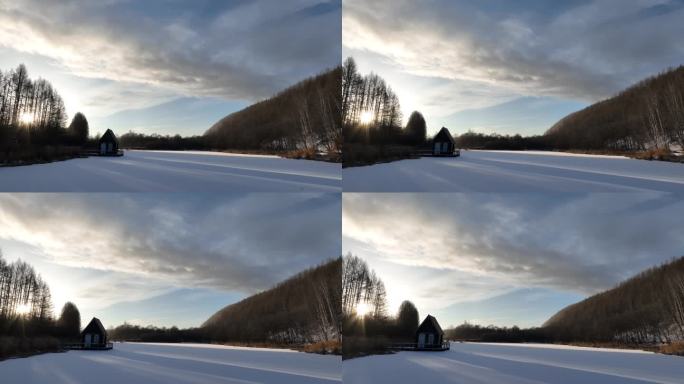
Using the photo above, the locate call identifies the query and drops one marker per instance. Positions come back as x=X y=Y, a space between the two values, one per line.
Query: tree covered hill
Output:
x=305 y=117
x=648 y=308
x=648 y=115
x=303 y=309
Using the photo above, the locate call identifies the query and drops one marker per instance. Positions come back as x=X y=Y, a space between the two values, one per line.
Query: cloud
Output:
x=582 y=50
x=241 y=243
x=235 y=50
x=572 y=243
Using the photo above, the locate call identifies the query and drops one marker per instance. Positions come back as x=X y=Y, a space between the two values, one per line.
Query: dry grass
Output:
x=331 y=347
x=675 y=348
x=651 y=155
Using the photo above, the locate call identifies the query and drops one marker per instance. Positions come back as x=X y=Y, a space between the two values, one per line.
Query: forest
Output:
x=644 y=121
x=646 y=309
x=303 y=312
x=372 y=120
x=27 y=323
x=302 y=121
x=33 y=121
x=648 y=115
x=367 y=327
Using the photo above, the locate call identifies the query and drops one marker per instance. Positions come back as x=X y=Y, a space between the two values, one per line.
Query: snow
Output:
x=166 y=171
x=133 y=363
x=506 y=171
x=474 y=363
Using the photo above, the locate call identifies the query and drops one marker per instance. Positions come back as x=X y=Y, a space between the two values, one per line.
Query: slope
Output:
x=302 y=309
x=648 y=308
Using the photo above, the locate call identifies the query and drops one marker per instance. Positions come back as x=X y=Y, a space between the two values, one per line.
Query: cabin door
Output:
x=431 y=339
x=103 y=148
x=436 y=150
x=97 y=339
x=445 y=147
x=421 y=340
x=88 y=339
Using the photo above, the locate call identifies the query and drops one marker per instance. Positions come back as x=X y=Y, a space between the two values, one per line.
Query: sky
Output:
x=508 y=259
x=168 y=66
x=500 y=66
x=166 y=259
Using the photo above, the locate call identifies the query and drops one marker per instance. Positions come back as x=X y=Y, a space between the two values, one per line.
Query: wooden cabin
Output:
x=444 y=144
x=109 y=144
x=429 y=334
x=94 y=336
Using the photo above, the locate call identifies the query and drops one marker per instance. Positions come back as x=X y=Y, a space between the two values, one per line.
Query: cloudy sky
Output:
x=166 y=259
x=508 y=259
x=510 y=66
x=168 y=66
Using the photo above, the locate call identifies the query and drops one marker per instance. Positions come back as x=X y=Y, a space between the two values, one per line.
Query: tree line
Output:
x=33 y=120
x=371 y=111
x=647 y=115
x=374 y=330
x=304 y=118
x=646 y=309
x=476 y=140
x=303 y=309
x=27 y=322
x=494 y=334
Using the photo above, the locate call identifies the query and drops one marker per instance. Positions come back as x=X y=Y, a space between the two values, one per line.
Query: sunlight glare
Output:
x=362 y=309
x=26 y=118
x=23 y=309
x=366 y=117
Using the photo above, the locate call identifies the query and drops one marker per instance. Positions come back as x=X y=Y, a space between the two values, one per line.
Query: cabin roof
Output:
x=430 y=323
x=109 y=136
x=444 y=135
x=95 y=325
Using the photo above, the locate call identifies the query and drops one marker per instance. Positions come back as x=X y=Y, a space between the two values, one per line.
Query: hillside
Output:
x=648 y=115
x=648 y=308
x=304 y=117
x=305 y=308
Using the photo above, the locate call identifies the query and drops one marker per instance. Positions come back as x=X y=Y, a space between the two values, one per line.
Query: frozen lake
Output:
x=161 y=171
x=132 y=363
x=501 y=171
x=472 y=363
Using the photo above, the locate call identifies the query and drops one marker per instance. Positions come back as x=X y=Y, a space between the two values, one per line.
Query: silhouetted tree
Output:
x=416 y=129
x=78 y=129
x=407 y=319
x=70 y=320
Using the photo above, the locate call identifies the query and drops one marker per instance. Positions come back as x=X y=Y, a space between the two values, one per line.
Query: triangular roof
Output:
x=109 y=136
x=430 y=322
x=94 y=325
x=444 y=135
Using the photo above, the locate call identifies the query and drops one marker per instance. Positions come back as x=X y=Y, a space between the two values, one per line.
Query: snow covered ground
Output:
x=501 y=171
x=160 y=171
x=474 y=363
x=131 y=363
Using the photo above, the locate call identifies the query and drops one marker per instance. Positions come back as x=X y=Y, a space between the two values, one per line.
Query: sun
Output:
x=23 y=309
x=362 y=309
x=26 y=118
x=366 y=117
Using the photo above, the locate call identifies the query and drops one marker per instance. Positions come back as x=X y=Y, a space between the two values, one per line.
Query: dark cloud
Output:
x=584 y=50
x=234 y=242
x=236 y=49
x=579 y=243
